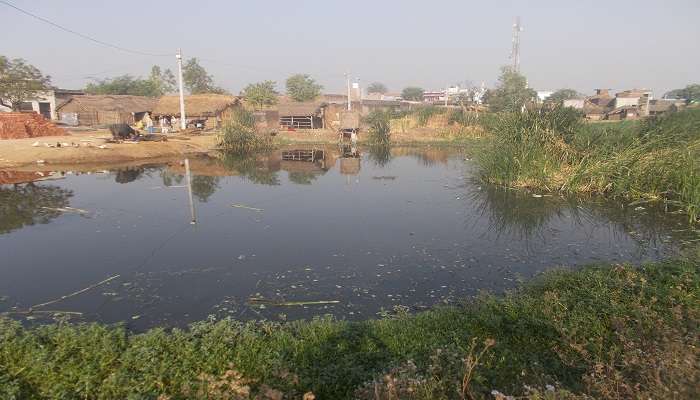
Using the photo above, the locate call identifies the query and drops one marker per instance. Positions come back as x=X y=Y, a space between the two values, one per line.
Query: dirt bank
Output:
x=25 y=152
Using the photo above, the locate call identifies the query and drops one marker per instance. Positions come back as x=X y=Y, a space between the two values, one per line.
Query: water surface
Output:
x=407 y=227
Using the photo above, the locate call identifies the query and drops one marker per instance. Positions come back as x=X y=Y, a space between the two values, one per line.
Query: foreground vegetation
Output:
x=601 y=332
x=655 y=160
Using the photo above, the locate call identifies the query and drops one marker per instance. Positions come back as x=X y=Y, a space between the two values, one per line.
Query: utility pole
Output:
x=347 y=78
x=515 y=51
x=183 y=118
x=447 y=94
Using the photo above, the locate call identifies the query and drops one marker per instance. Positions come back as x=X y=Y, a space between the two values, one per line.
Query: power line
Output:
x=124 y=49
x=100 y=42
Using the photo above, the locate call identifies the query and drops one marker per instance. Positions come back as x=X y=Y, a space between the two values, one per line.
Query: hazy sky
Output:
x=579 y=44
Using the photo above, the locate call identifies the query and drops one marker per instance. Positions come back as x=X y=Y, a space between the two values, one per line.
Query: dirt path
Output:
x=23 y=152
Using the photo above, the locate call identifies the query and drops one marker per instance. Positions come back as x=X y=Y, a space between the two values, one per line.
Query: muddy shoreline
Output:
x=89 y=150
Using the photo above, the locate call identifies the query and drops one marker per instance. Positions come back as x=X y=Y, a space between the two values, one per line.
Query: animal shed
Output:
x=306 y=115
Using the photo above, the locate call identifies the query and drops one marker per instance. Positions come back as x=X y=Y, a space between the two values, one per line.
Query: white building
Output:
x=631 y=97
x=45 y=102
x=574 y=103
x=543 y=95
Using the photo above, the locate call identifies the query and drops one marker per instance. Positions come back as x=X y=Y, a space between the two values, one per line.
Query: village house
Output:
x=574 y=103
x=96 y=110
x=658 y=107
x=631 y=97
x=434 y=96
x=45 y=102
x=208 y=109
x=624 y=112
x=628 y=104
x=383 y=96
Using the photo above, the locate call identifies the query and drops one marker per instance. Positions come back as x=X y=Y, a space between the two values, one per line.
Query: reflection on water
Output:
x=127 y=175
x=413 y=229
x=29 y=204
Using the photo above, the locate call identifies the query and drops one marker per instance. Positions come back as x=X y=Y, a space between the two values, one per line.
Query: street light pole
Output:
x=183 y=118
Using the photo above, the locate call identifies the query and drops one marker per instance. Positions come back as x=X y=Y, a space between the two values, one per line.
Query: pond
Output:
x=341 y=233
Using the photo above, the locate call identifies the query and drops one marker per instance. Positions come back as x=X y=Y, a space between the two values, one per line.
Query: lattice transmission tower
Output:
x=515 y=51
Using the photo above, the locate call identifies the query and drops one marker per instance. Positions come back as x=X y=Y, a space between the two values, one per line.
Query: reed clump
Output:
x=655 y=160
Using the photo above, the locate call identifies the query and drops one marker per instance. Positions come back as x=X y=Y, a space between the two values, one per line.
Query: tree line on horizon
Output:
x=19 y=79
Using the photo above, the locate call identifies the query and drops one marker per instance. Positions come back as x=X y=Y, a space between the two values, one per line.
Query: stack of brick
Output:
x=18 y=125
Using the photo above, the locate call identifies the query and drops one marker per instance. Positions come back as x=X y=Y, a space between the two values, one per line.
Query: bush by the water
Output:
x=608 y=332
x=553 y=150
x=379 y=123
x=239 y=135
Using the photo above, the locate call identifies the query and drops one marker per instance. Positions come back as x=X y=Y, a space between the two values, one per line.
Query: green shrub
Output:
x=239 y=135
x=379 y=123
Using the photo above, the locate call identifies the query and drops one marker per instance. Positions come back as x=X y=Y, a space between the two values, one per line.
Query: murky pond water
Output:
x=283 y=239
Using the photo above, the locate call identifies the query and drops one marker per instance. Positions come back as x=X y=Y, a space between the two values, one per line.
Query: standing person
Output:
x=175 y=124
x=163 y=125
x=148 y=122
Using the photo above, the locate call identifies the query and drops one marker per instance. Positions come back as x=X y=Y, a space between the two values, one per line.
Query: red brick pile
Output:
x=19 y=125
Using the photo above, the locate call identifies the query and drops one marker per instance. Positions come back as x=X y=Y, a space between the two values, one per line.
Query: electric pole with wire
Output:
x=183 y=119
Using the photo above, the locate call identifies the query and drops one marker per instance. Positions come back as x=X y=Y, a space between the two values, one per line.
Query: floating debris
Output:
x=67 y=210
x=247 y=207
x=262 y=302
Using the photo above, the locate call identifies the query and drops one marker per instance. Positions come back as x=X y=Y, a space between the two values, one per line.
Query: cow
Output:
x=122 y=131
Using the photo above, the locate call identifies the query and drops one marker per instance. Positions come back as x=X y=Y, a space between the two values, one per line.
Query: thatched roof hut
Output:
x=104 y=109
x=196 y=106
x=300 y=109
x=121 y=103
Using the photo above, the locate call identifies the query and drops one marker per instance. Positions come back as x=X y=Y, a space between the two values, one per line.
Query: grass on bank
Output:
x=553 y=150
x=601 y=332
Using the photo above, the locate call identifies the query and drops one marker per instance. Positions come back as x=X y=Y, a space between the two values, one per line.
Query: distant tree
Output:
x=560 y=95
x=511 y=93
x=690 y=93
x=197 y=80
x=261 y=94
x=19 y=81
x=377 y=87
x=302 y=87
x=163 y=82
x=124 y=84
x=159 y=82
x=412 y=93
